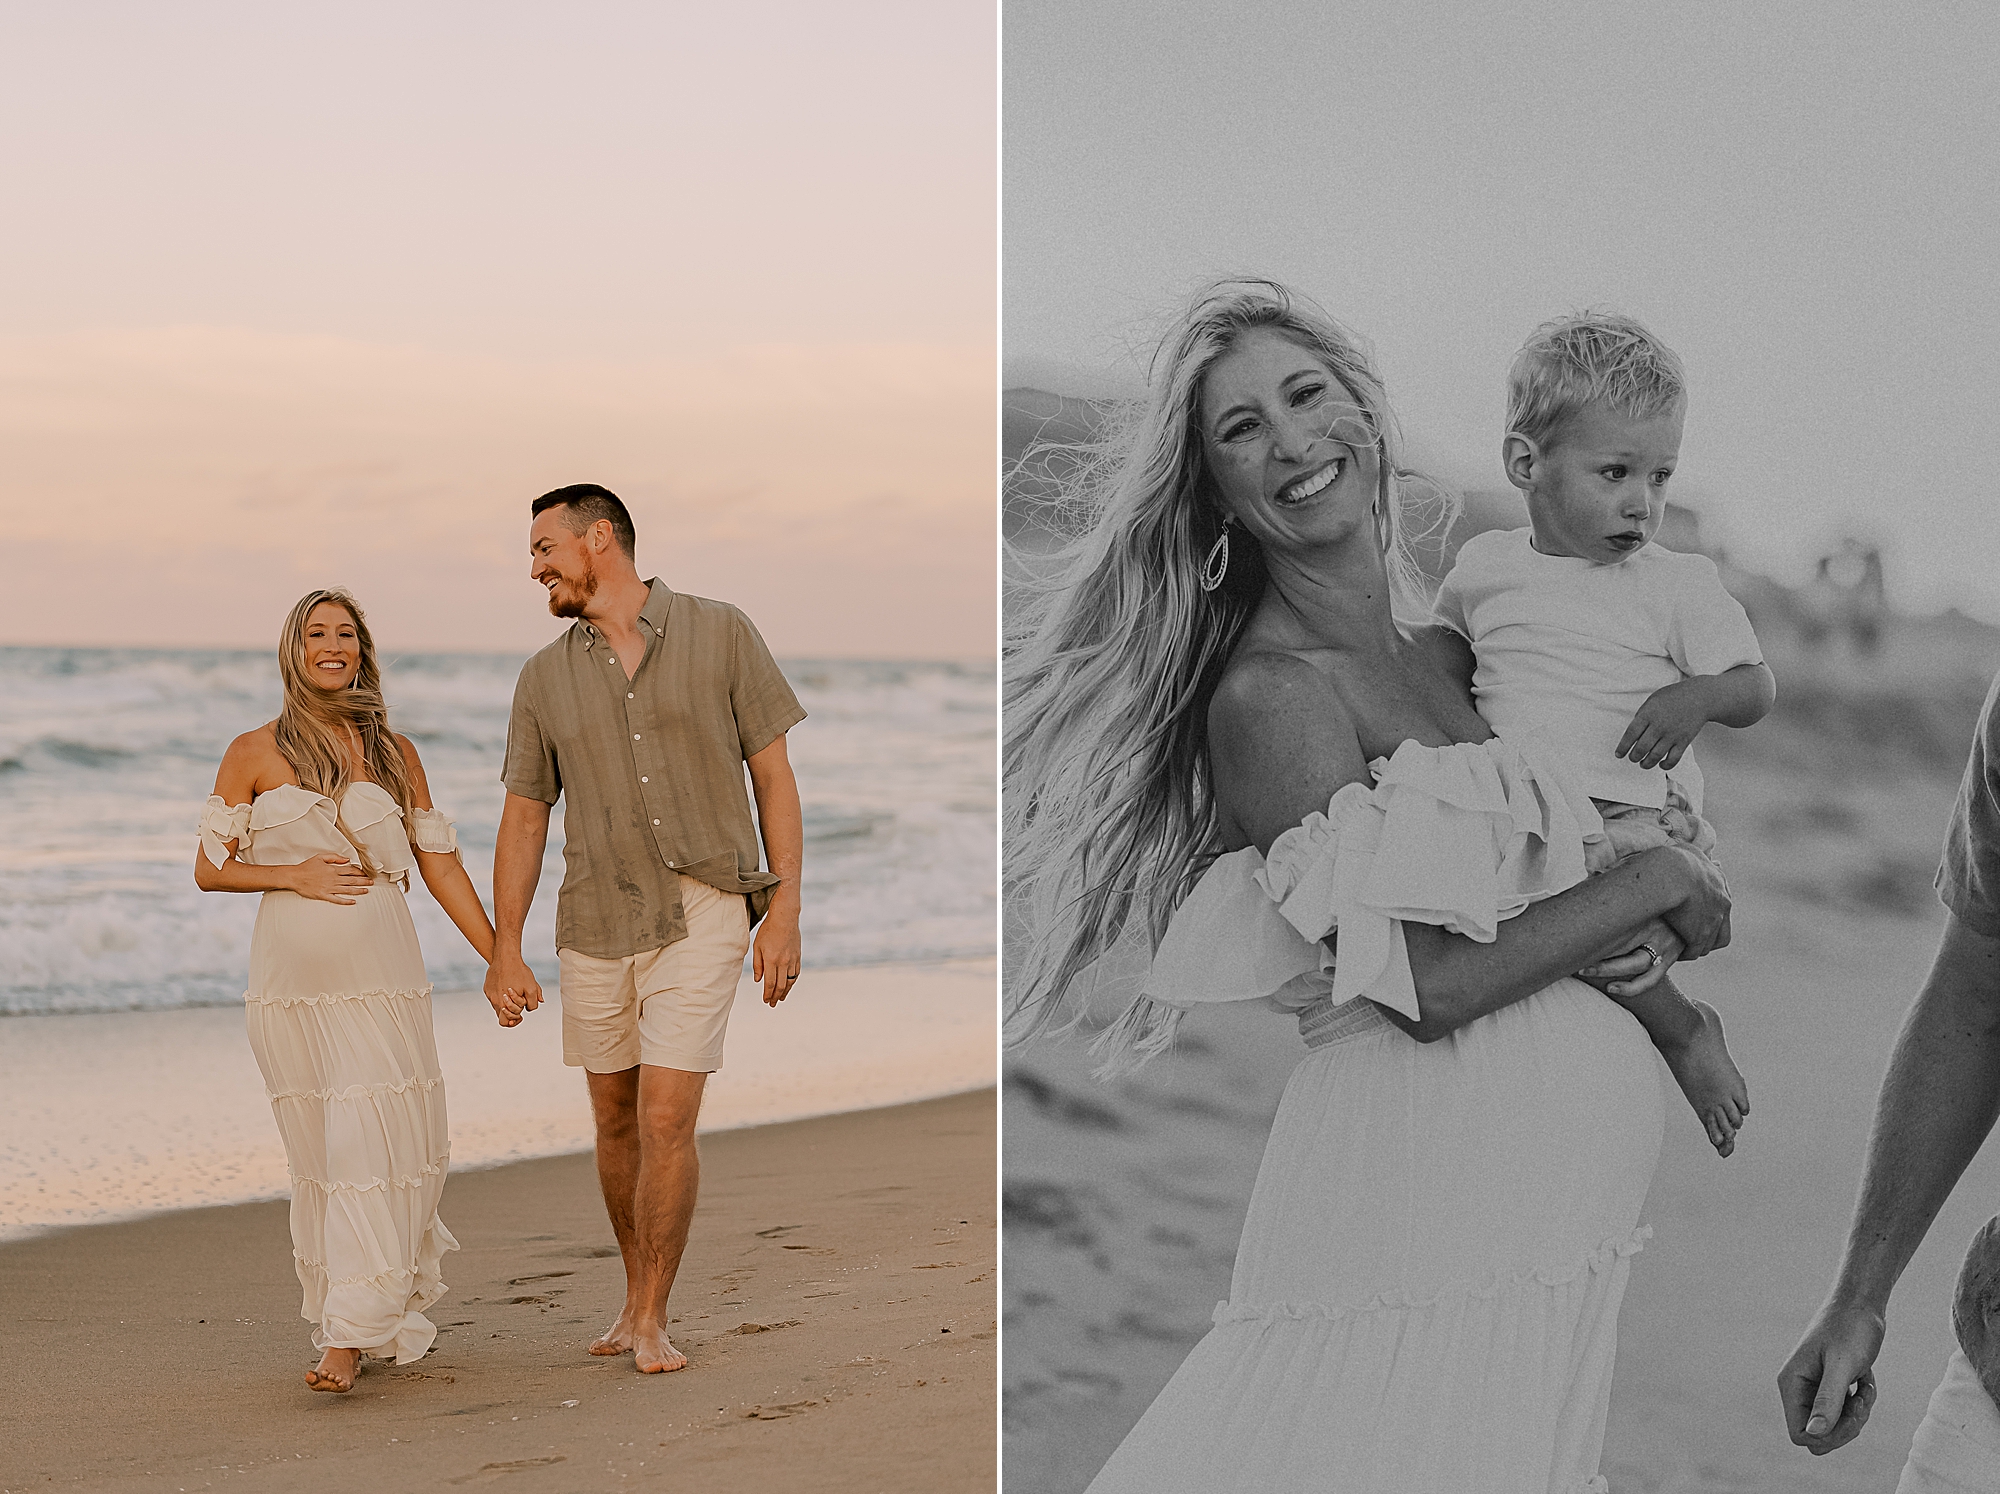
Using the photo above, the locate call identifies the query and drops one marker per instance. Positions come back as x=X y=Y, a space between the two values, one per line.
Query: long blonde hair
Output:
x=1114 y=649
x=311 y=728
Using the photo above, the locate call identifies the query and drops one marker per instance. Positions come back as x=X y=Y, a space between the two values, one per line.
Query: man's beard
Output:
x=568 y=599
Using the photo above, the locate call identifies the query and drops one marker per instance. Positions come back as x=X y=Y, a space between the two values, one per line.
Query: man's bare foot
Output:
x=654 y=1353
x=336 y=1371
x=1709 y=1078
x=617 y=1339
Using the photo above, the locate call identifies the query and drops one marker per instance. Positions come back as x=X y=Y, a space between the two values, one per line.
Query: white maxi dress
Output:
x=339 y=1015
x=1425 y=1298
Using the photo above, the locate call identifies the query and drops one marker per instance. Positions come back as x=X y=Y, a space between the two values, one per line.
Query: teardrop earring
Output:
x=1216 y=566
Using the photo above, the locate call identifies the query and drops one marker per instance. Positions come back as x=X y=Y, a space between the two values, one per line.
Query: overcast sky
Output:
x=299 y=295
x=1799 y=198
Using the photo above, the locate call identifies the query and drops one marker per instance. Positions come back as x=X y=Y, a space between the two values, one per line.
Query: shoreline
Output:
x=165 y=1111
x=836 y=1304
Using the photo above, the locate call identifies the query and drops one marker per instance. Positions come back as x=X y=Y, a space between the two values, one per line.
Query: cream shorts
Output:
x=1957 y=1446
x=667 y=1007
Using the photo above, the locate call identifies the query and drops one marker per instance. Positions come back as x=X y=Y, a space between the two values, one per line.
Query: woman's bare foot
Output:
x=1709 y=1078
x=337 y=1371
x=654 y=1353
x=617 y=1339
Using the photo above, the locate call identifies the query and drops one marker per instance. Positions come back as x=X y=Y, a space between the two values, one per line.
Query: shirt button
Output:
x=656 y=822
x=635 y=736
x=628 y=695
x=644 y=779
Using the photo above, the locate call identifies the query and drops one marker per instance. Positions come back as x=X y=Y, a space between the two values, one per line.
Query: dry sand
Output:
x=836 y=1304
x=1123 y=1202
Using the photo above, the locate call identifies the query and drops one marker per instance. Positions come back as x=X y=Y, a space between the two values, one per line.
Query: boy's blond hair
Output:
x=1593 y=356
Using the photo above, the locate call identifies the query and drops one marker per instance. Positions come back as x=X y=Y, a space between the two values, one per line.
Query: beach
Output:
x=841 y=1268
x=836 y=1304
x=112 y=1114
x=1123 y=1202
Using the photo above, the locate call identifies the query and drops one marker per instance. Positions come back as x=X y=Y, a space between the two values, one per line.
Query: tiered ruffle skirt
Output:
x=1426 y=1295
x=339 y=1016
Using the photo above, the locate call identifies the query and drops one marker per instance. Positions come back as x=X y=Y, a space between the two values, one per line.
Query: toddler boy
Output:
x=1618 y=651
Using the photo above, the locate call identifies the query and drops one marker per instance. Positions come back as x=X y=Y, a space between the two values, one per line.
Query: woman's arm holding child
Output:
x=1282 y=744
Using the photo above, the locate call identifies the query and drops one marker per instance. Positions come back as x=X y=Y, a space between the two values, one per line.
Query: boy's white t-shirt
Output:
x=1574 y=648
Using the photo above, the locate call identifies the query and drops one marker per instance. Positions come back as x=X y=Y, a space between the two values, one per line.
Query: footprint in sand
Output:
x=494 y=1470
x=776 y=1413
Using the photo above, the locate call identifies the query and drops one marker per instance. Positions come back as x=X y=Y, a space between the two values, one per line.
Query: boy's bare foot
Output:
x=336 y=1371
x=617 y=1339
x=654 y=1353
x=1709 y=1078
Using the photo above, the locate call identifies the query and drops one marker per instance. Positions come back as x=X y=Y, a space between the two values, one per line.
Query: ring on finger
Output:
x=1655 y=955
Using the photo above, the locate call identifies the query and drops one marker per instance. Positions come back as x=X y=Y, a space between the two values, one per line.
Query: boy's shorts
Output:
x=1677 y=818
x=666 y=1007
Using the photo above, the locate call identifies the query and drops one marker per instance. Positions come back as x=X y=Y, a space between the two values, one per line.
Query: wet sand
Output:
x=836 y=1304
x=122 y=1113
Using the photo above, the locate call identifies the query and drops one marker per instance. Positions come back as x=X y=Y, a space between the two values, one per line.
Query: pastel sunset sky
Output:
x=325 y=295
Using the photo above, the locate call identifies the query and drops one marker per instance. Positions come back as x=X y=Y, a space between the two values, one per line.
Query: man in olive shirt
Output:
x=1938 y=1101
x=644 y=714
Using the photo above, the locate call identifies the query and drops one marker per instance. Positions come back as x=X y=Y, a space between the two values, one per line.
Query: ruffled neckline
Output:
x=1462 y=837
x=291 y=801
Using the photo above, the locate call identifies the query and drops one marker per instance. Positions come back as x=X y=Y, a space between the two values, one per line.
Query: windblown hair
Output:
x=583 y=504
x=312 y=726
x=1594 y=357
x=1114 y=651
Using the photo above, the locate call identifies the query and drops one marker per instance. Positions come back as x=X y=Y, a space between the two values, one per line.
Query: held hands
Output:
x=1828 y=1385
x=1666 y=725
x=511 y=988
x=330 y=879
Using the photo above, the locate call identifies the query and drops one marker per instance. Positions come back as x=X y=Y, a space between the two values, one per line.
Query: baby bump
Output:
x=305 y=947
x=1521 y=1142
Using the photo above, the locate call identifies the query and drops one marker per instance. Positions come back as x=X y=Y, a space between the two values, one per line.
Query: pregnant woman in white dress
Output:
x=319 y=811
x=1230 y=732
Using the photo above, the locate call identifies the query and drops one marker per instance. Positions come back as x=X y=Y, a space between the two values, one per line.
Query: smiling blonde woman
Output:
x=325 y=811
x=1231 y=733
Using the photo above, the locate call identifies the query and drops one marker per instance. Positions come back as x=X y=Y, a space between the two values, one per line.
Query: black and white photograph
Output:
x=1500 y=791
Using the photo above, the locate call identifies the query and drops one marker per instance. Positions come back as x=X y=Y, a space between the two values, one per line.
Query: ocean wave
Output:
x=107 y=755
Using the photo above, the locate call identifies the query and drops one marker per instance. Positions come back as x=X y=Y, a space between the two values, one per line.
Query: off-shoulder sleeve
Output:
x=431 y=831
x=1459 y=837
x=220 y=824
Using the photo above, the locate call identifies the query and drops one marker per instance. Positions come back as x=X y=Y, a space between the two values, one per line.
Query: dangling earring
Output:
x=1381 y=525
x=1216 y=566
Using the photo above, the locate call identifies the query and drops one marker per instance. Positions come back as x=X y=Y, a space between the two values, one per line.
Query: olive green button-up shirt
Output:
x=652 y=767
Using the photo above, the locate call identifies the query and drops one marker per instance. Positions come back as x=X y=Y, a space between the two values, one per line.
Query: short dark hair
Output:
x=586 y=503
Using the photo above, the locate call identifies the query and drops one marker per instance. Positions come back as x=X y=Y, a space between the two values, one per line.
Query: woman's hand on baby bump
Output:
x=329 y=879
